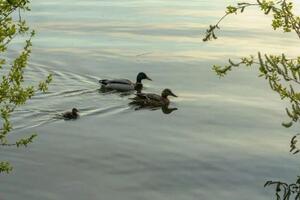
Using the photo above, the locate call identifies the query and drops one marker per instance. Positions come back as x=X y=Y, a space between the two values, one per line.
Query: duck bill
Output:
x=149 y=79
x=174 y=95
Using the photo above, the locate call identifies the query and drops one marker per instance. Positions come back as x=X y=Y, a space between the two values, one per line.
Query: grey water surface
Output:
x=224 y=141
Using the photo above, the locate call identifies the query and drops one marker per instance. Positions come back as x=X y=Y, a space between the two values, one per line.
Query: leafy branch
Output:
x=282 y=73
x=285 y=191
x=281 y=10
x=210 y=33
x=13 y=91
x=5 y=167
x=293 y=145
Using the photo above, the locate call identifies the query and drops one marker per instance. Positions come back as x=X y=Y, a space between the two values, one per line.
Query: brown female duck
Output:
x=153 y=100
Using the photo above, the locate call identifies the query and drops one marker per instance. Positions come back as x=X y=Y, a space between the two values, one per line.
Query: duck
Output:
x=124 y=85
x=153 y=100
x=71 y=114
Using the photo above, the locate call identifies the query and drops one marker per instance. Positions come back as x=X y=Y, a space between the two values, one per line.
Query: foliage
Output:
x=282 y=73
x=13 y=91
x=285 y=191
x=293 y=145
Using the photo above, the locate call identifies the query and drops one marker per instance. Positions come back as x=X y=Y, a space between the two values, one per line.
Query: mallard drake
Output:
x=152 y=100
x=71 y=115
x=124 y=84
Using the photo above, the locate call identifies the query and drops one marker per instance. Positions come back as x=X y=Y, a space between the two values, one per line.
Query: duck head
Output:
x=167 y=92
x=141 y=76
x=75 y=111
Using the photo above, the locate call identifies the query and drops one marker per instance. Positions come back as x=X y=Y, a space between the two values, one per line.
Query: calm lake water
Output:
x=224 y=141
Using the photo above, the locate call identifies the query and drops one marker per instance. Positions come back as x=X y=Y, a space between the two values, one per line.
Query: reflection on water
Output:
x=223 y=142
x=106 y=91
x=165 y=109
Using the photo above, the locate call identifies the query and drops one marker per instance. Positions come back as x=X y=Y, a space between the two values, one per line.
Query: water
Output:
x=224 y=141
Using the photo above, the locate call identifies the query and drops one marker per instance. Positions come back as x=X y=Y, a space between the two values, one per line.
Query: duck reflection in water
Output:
x=154 y=101
x=166 y=109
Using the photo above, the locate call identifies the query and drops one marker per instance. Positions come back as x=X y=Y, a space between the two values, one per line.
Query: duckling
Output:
x=71 y=115
x=152 y=100
x=123 y=85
